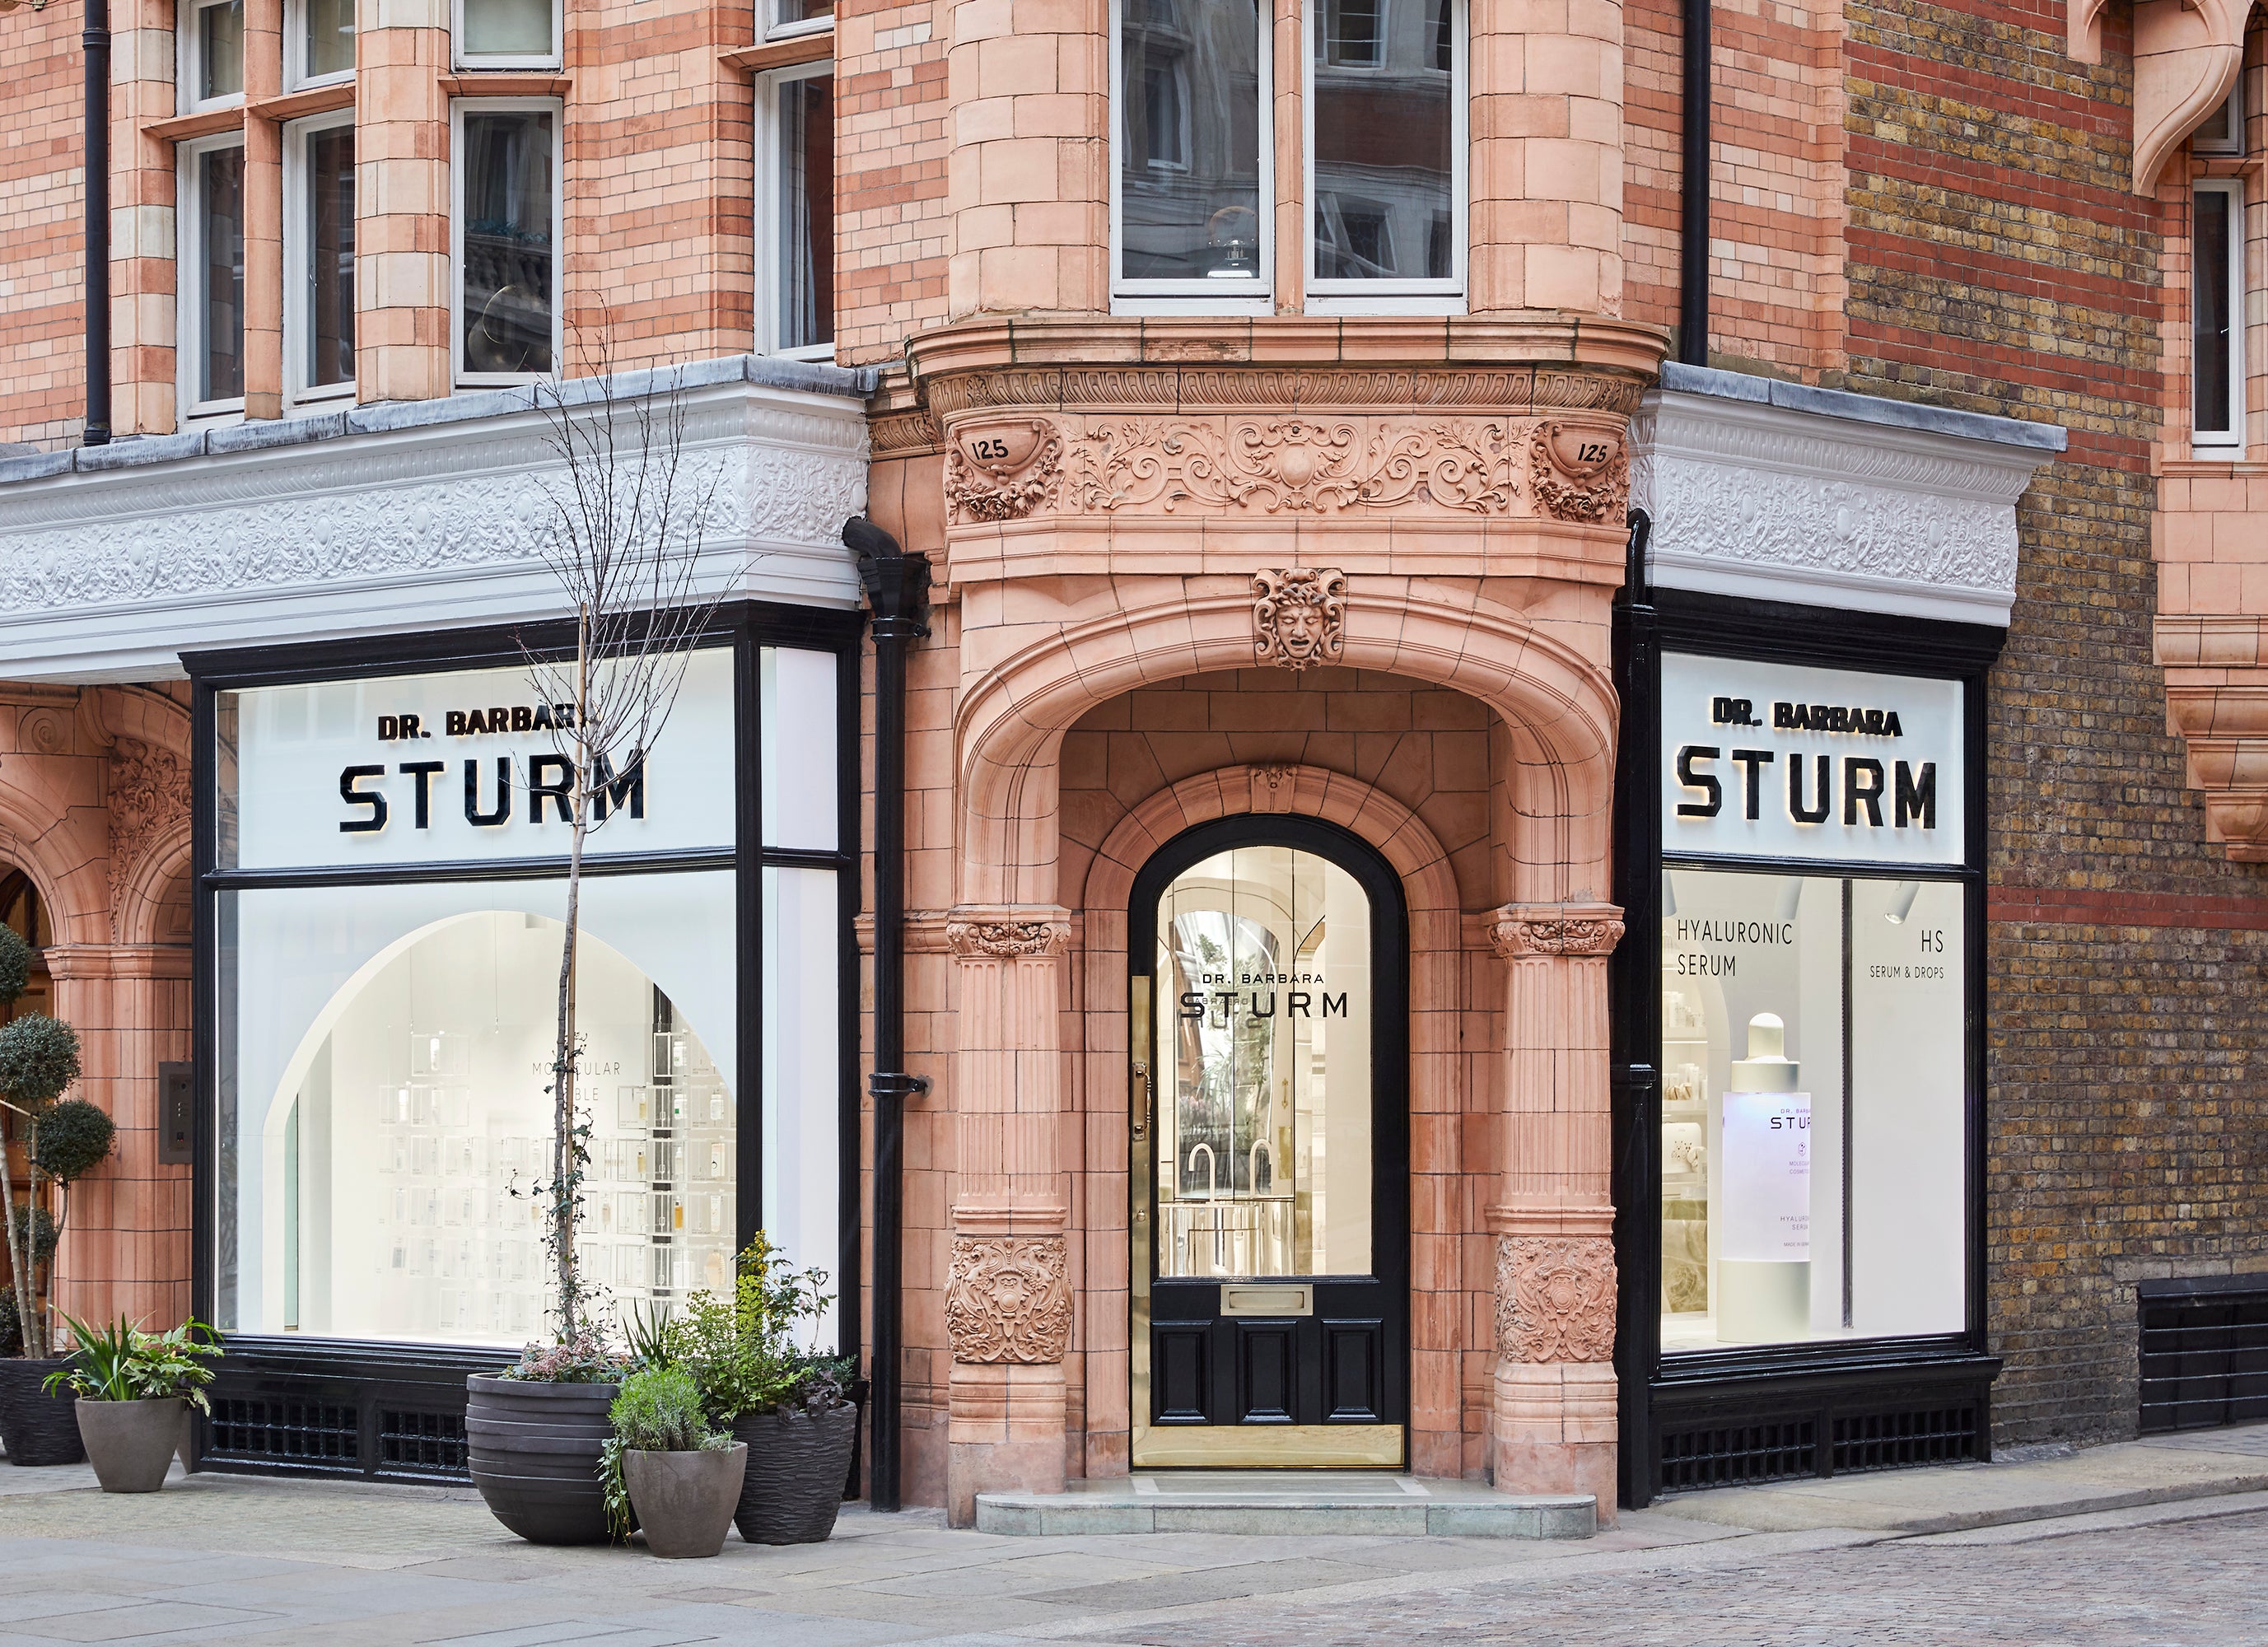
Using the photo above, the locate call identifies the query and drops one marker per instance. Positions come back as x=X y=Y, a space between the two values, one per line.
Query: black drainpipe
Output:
x=897 y=594
x=1693 y=227
x=96 y=37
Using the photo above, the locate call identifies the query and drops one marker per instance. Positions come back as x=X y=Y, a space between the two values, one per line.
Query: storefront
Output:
x=1800 y=996
x=380 y=853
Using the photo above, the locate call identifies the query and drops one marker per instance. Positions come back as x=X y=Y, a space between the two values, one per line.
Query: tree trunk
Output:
x=19 y=1272
x=566 y=1177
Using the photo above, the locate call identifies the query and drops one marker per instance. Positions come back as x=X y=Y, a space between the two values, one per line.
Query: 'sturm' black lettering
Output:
x=1193 y=1005
x=1917 y=795
x=501 y=813
x=1867 y=794
x=1701 y=781
x=1752 y=762
x=423 y=771
x=625 y=793
x=1335 y=1004
x=354 y=797
x=556 y=791
x=1796 y=809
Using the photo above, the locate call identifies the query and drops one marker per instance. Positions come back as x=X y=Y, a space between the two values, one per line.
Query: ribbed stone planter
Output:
x=534 y=1454
x=798 y=1465
x=130 y=1444
x=685 y=1500
x=36 y=1428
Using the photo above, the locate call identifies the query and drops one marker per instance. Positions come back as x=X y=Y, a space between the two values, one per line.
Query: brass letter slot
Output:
x=1246 y=1298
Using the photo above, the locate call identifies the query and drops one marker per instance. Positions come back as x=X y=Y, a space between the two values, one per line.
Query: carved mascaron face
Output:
x=1300 y=628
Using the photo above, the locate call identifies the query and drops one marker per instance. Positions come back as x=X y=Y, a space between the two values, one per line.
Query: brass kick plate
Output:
x=1267 y=1297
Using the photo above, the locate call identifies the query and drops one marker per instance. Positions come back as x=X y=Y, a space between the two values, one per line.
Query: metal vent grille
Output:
x=1727 y=1455
x=286 y=1431
x=428 y=1444
x=1893 y=1440
x=2204 y=1359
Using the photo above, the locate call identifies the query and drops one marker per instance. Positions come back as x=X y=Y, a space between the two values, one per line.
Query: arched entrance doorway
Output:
x=1269 y=964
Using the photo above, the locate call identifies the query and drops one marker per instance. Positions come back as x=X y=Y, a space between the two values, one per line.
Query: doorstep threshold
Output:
x=1296 y=1503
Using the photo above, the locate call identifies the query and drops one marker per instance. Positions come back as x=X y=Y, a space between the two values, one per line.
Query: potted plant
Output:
x=681 y=1478
x=535 y=1433
x=135 y=1390
x=59 y=1142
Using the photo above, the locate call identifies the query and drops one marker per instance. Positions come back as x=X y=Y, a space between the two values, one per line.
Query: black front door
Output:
x=1269 y=1150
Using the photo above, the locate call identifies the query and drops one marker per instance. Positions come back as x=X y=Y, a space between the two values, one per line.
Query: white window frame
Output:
x=297 y=392
x=778 y=30
x=458 y=107
x=1390 y=296
x=294 y=51
x=463 y=59
x=772 y=159
x=2233 y=106
x=189 y=62
x=1256 y=296
x=1385 y=34
x=188 y=291
x=2232 y=439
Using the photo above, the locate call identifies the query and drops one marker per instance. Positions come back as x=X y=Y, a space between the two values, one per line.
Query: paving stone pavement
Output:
x=265 y=1563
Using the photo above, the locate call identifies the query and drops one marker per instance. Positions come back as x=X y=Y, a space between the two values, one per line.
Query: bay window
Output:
x=2216 y=314
x=1385 y=145
x=1191 y=190
x=505 y=239
x=210 y=312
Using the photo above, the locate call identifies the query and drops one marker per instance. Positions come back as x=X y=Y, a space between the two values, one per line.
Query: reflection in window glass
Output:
x=2214 y=309
x=330 y=209
x=1382 y=127
x=803 y=1074
x=218 y=294
x=807 y=227
x=1263 y=1128
x=220 y=50
x=1190 y=117
x=331 y=44
x=506 y=28
x=1810 y=1191
x=508 y=277
x=797 y=740
x=787 y=13
x=378 y=1186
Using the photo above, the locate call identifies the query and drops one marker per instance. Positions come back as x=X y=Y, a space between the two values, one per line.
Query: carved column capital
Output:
x=1521 y=929
x=1555 y=1297
x=1006 y=931
x=1008 y=1300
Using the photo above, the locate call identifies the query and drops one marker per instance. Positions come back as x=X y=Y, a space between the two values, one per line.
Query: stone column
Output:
x=1008 y=1300
x=401 y=200
x=1554 y=1412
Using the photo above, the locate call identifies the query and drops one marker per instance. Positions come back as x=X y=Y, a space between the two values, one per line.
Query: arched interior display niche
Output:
x=402 y=1146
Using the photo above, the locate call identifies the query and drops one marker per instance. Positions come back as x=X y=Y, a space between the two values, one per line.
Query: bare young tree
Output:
x=625 y=540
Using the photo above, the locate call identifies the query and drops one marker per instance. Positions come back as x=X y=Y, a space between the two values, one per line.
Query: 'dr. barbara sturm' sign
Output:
x=1830 y=765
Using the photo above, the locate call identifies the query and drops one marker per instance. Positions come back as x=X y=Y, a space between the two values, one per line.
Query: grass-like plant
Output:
x=657 y=1411
x=121 y=1362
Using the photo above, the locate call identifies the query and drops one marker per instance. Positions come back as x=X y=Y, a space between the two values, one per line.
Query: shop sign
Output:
x=1775 y=760
x=472 y=764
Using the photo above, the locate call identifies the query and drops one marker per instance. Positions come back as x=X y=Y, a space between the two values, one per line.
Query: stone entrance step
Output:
x=1372 y=1503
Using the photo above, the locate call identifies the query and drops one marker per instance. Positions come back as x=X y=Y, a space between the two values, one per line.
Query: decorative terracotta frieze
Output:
x=1555 y=1297
x=1293 y=464
x=1581 y=471
x=1006 y=933
x=1002 y=469
x=1008 y=1300
x=1555 y=929
x=149 y=798
x=1299 y=617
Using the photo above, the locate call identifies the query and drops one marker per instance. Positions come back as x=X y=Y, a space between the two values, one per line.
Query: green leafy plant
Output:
x=742 y=1352
x=121 y=1362
x=72 y=1139
x=39 y=1061
x=659 y=1411
x=648 y=1334
x=12 y=1330
x=15 y=965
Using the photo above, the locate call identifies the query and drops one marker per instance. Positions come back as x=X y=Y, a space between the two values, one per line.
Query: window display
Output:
x=1813 y=1058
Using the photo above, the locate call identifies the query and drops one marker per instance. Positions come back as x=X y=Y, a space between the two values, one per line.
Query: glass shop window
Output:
x=1191 y=175
x=1814 y=1064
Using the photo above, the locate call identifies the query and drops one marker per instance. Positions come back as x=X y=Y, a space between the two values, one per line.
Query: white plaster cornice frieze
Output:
x=111 y=575
x=1780 y=503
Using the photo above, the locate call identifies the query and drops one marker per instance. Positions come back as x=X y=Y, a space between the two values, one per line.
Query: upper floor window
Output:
x=319 y=250
x=320 y=41
x=210 y=312
x=505 y=238
x=798 y=16
x=801 y=210
x=1191 y=190
x=1385 y=151
x=211 y=39
x=507 y=34
x=2216 y=314
x=2223 y=131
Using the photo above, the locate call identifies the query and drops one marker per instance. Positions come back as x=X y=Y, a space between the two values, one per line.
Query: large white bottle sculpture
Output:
x=1763 y=1258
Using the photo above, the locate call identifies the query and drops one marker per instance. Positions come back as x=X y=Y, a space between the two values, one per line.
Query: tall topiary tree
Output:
x=39 y=1061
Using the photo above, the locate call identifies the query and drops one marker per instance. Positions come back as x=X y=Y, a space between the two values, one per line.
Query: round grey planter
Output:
x=798 y=1464
x=36 y=1428
x=535 y=1455
x=685 y=1501
x=130 y=1444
